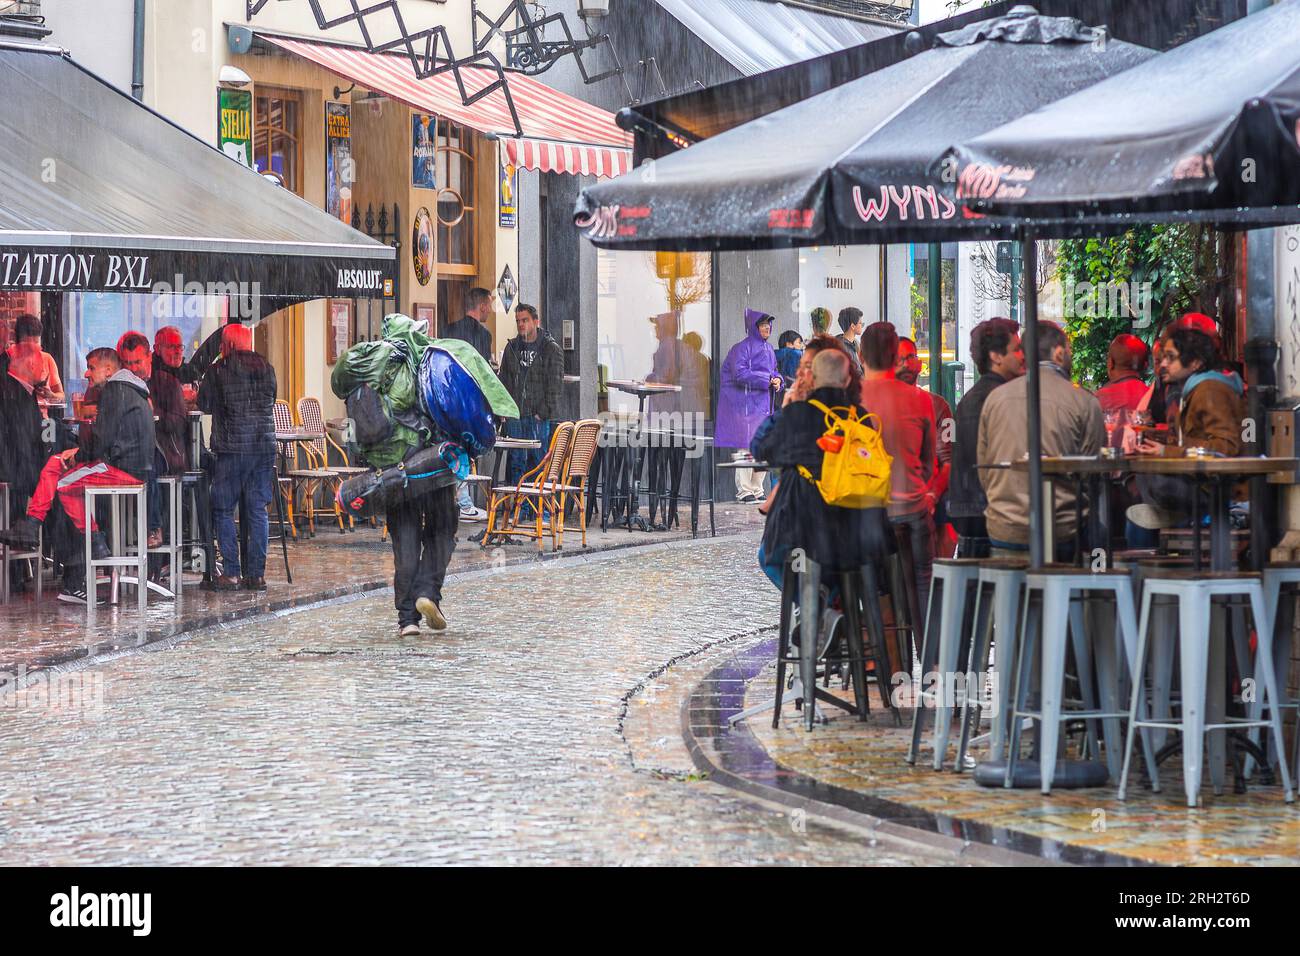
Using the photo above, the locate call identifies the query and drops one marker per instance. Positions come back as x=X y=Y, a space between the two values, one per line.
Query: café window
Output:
x=654 y=322
x=456 y=194
x=277 y=138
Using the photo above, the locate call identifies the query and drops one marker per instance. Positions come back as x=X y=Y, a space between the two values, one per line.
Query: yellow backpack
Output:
x=855 y=469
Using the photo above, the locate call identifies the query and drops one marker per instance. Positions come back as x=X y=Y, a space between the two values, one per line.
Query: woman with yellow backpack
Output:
x=834 y=469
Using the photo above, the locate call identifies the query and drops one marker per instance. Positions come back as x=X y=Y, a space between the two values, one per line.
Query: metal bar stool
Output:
x=1280 y=605
x=118 y=495
x=818 y=630
x=1060 y=621
x=173 y=545
x=994 y=634
x=8 y=554
x=945 y=615
x=1195 y=593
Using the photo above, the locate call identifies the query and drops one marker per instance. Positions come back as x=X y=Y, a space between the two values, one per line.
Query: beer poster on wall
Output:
x=424 y=169
x=507 y=205
x=235 y=125
x=339 y=167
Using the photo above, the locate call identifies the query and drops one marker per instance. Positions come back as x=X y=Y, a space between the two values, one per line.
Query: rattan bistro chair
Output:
x=318 y=452
x=586 y=438
x=304 y=481
x=541 y=485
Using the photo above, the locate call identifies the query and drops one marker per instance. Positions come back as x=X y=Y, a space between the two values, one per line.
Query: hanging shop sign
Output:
x=235 y=125
x=422 y=246
x=507 y=289
x=507 y=208
x=340 y=170
x=193 y=272
x=424 y=169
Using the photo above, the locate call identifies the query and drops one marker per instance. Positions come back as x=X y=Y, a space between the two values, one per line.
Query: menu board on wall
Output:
x=339 y=166
x=340 y=329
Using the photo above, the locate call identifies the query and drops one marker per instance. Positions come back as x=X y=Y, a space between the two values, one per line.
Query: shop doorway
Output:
x=452 y=291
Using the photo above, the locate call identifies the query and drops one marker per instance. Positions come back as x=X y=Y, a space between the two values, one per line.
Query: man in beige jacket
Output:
x=1072 y=424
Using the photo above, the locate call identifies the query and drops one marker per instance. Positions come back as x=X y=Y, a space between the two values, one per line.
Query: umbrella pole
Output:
x=1029 y=273
x=934 y=296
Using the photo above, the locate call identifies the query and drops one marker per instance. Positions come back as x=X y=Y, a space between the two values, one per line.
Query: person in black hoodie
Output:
x=238 y=391
x=532 y=370
x=839 y=539
x=119 y=452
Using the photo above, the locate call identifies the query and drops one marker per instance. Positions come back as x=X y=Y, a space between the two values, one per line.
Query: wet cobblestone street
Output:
x=514 y=737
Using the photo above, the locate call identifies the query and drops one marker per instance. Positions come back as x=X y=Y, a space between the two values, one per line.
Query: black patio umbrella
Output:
x=853 y=164
x=1209 y=131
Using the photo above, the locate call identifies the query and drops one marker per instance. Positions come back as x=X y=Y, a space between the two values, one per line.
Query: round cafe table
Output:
x=642 y=391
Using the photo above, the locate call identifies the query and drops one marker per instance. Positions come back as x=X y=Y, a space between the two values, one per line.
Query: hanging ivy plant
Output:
x=1135 y=282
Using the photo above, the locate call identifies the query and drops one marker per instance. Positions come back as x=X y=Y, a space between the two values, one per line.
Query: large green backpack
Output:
x=377 y=382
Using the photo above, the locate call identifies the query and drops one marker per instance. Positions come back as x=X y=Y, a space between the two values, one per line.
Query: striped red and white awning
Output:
x=561 y=133
x=551 y=157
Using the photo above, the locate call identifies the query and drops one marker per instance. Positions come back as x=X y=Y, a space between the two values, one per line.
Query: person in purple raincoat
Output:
x=749 y=379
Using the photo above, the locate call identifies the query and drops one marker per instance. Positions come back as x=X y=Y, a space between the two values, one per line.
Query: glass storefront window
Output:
x=921 y=309
x=98 y=319
x=277 y=137
x=456 y=194
x=654 y=323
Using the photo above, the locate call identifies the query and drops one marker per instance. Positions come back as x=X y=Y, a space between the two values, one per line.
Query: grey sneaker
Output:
x=411 y=630
x=1152 y=518
x=432 y=614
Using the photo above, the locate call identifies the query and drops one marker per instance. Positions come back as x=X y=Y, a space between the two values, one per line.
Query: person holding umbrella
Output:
x=749 y=379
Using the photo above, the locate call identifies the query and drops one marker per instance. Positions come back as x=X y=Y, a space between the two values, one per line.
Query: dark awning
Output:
x=99 y=193
x=853 y=165
x=1210 y=131
x=697 y=115
x=759 y=35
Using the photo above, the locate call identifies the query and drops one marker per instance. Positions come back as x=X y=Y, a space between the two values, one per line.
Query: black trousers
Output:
x=424 y=536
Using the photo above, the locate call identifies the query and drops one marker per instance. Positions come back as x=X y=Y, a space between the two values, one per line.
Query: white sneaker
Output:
x=473 y=514
x=411 y=630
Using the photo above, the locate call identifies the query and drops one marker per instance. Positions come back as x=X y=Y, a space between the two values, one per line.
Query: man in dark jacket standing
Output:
x=995 y=348
x=119 y=452
x=472 y=328
x=532 y=370
x=239 y=392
